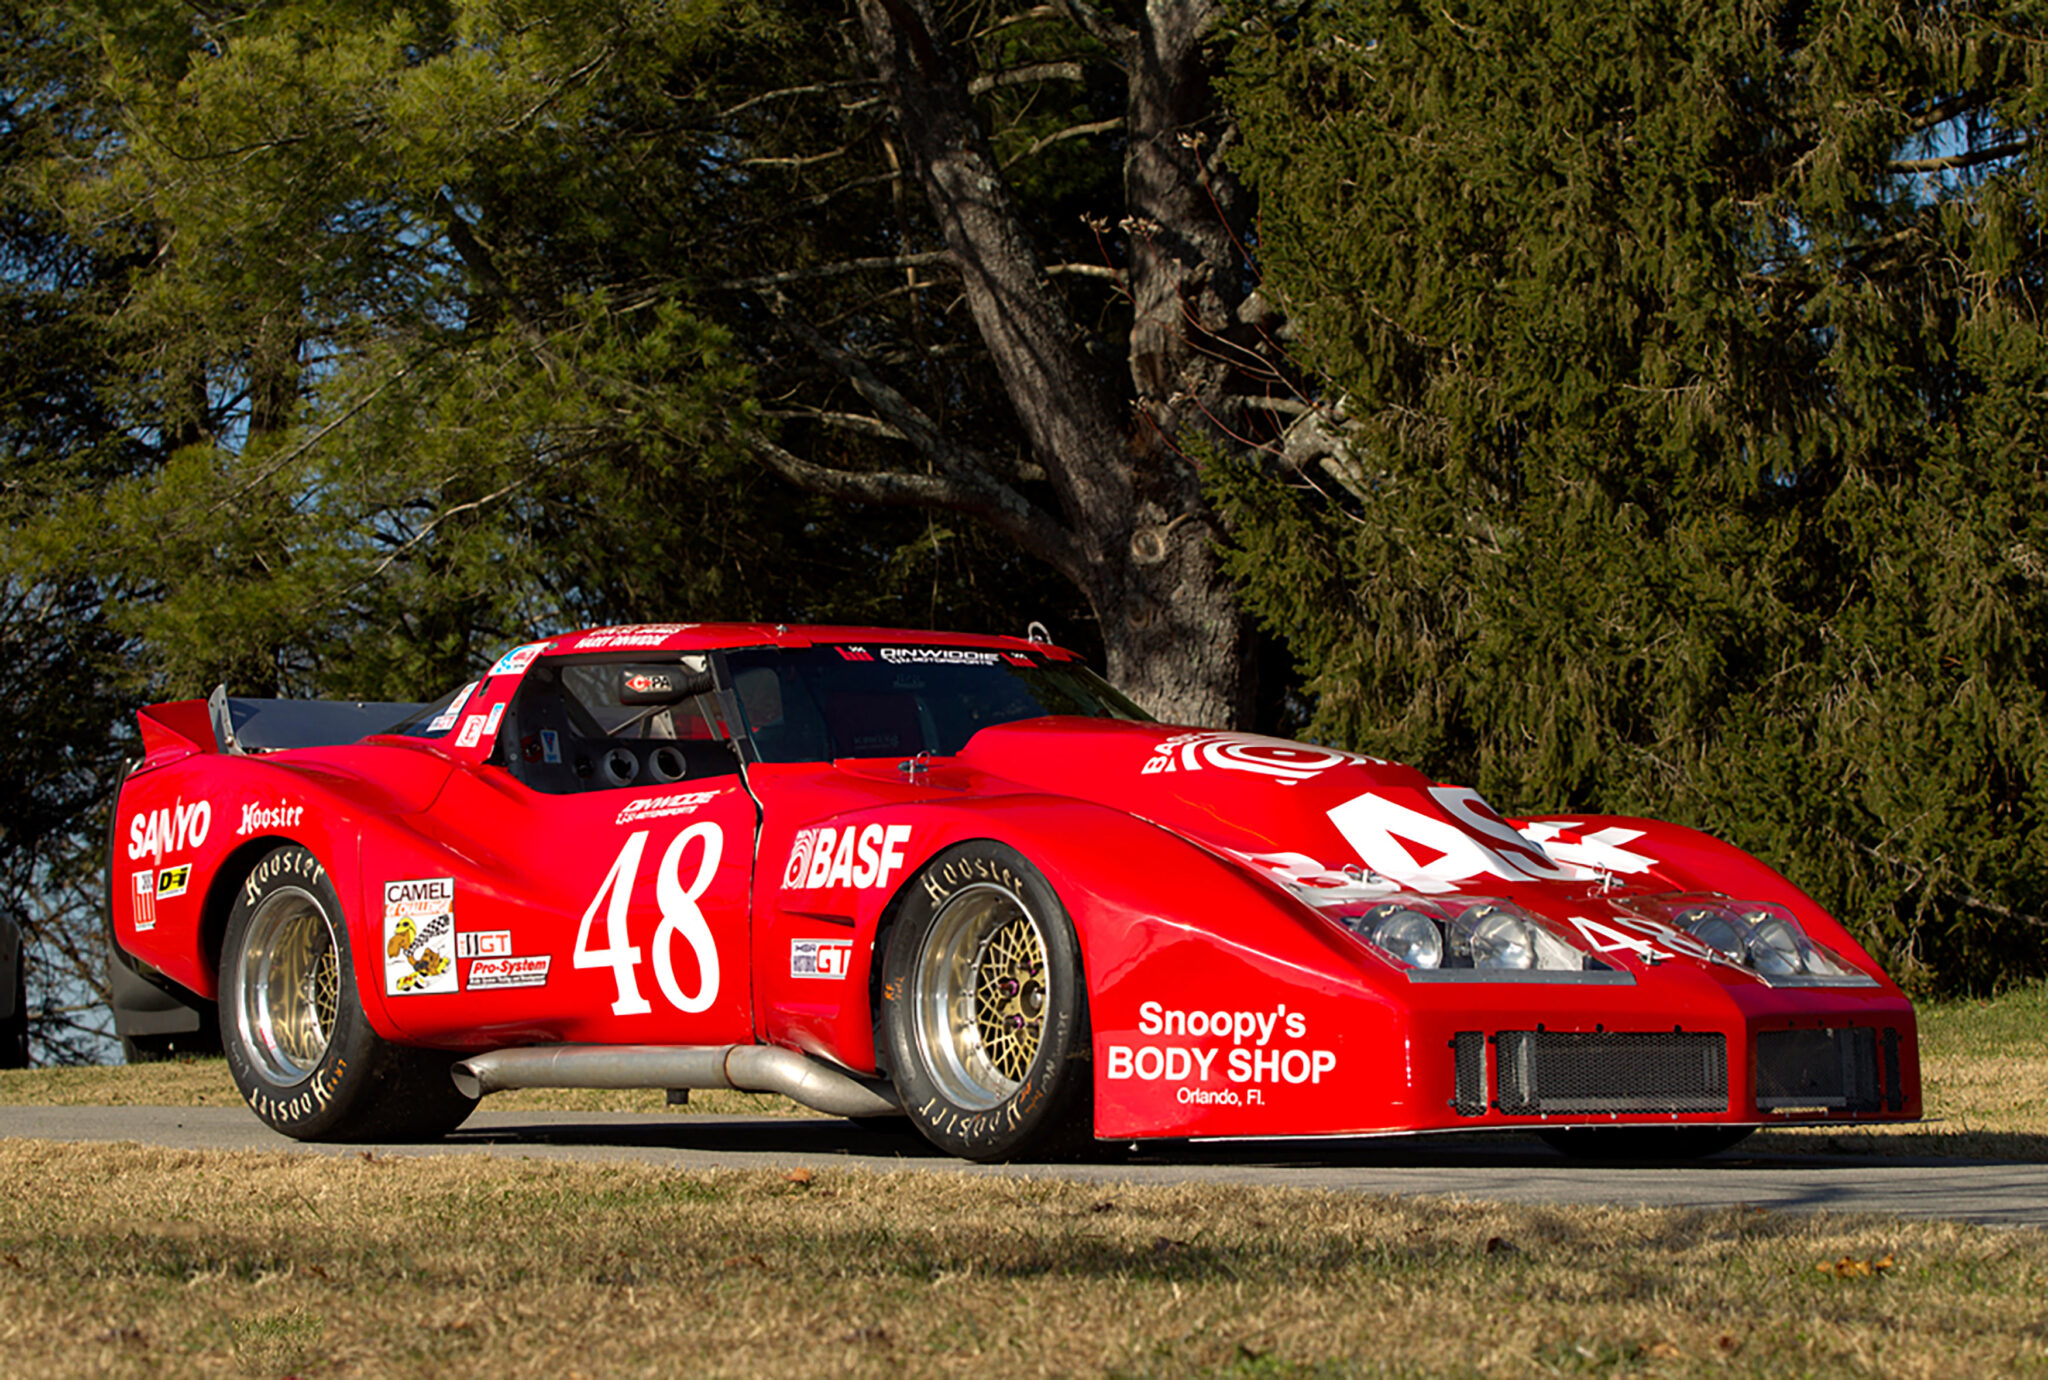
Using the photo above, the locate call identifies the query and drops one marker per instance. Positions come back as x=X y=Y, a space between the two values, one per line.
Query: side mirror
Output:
x=670 y=684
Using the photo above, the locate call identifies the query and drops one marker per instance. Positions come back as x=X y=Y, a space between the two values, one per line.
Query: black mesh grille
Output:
x=1833 y=1069
x=1468 y=1047
x=1548 y=1071
x=1894 y=1095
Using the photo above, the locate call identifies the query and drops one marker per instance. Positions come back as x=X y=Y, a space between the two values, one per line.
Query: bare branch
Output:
x=1115 y=275
x=844 y=421
x=817 y=89
x=1957 y=161
x=804 y=162
x=1071 y=132
x=1069 y=70
x=977 y=496
x=1097 y=27
x=838 y=270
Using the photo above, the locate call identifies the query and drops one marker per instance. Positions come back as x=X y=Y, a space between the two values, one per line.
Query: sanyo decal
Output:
x=172 y=829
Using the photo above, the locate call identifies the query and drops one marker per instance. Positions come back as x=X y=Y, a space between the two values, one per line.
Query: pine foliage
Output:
x=1693 y=364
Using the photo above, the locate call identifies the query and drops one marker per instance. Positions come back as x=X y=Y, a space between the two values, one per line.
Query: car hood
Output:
x=1294 y=808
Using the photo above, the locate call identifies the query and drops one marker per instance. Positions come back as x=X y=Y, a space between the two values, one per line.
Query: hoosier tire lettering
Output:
x=298 y=1044
x=984 y=1009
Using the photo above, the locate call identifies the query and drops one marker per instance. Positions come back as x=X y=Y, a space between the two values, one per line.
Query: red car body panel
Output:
x=748 y=907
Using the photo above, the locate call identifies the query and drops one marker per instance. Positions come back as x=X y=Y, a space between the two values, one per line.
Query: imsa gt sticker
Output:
x=820 y=958
x=419 y=937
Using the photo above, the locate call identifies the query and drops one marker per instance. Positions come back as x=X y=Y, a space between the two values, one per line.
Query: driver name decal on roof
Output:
x=419 y=937
x=639 y=635
x=853 y=856
x=1283 y=761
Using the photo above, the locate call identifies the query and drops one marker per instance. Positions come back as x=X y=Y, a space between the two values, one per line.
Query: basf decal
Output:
x=419 y=937
x=820 y=958
x=1272 y=758
x=852 y=856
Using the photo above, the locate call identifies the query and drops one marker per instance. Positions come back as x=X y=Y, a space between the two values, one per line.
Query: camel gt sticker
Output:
x=419 y=937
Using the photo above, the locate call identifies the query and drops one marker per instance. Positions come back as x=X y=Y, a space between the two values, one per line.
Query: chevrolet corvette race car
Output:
x=958 y=879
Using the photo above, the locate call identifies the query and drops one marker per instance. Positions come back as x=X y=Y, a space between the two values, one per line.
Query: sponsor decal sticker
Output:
x=939 y=656
x=256 y=818
x=1226 y=1058
x=1273 y=758
x=641 y=635
x=419 y=937
x=172 y=881
x=145 y=899
x=472 y=731
x=483 y=943
x=1435 y=853
x=664 y=806
x=1018 y=659
x=820 y=958
x=550 y=746
x=509 y=972
x=445 y=720
x=518 y=659
x=854 y=654
x=173 y=829
x=854 y=856
x=496 y=717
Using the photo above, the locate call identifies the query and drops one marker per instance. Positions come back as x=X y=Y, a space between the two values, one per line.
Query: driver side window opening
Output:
x=571 y=728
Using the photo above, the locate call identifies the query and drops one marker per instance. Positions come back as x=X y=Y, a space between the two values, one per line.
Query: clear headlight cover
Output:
x=1407 y=936
x=1452 y=933
x=1758 y=935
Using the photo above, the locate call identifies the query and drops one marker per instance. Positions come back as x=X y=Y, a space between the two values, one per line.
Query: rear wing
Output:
x=243 y=726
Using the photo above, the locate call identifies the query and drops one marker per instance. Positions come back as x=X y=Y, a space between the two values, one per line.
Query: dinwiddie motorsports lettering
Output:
x=963 y=881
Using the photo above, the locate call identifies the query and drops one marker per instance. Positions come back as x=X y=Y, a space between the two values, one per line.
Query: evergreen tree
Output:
x=1686 y=366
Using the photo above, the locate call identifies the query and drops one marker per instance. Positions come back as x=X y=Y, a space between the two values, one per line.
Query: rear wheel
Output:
x=1644 y=1142
x=985 y=1009
x=297 y=1041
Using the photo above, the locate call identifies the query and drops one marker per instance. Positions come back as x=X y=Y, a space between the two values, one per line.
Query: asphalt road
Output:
x=1997 y=1193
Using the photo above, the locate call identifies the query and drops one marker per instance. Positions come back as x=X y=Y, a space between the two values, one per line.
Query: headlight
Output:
x=1716 y=926
x=1408 y=935
x=1500 y=938
x=1776 y=948
x=1763 y=937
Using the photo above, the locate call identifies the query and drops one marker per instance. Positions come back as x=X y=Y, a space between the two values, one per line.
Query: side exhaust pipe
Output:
x=749 y=1068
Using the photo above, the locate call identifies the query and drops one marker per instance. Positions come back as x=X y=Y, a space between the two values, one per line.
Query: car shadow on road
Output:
x=828 y=1137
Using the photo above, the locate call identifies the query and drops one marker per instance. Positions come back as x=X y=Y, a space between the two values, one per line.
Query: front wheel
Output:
x=1644 y=1142
x=985 y=1009
x=297 y=1042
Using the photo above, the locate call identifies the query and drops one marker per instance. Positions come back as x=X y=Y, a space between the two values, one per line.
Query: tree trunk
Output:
x=1141 y=540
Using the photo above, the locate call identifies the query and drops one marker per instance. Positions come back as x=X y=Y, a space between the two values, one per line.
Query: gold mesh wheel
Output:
x=979 y=998
x=289 y=987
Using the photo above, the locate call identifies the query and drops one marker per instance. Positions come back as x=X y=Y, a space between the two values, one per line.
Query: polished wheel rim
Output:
x=981 y=995
x=290 y=988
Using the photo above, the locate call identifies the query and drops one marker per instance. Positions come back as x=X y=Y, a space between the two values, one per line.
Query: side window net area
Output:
x=821 y=703
x=569 y=729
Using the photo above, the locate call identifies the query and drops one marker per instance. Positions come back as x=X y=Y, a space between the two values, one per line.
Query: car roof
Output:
x=704 y=637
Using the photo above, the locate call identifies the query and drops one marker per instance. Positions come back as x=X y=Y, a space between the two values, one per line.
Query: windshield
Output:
x=821 y=703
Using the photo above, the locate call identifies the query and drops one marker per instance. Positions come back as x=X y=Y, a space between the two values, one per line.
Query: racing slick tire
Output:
x=984 y=1010
x=297 y=1042
x=1644 y=1142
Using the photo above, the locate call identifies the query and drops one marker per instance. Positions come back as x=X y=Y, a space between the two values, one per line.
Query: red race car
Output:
x=963 y=880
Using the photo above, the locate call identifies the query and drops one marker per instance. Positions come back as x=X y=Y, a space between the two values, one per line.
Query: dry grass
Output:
x=139 y=1261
